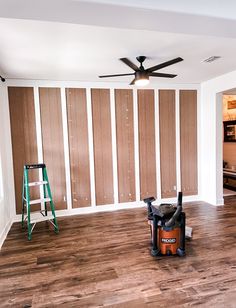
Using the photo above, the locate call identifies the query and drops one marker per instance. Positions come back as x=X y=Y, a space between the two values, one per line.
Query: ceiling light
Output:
x=141 y=78
x=141 y=82
x=211 y=59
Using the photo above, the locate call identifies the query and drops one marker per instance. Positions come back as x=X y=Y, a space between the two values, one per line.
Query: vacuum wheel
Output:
x=155 y=252
x=180 y=252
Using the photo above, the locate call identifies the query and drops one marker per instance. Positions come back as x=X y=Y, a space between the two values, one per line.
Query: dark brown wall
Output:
x=78 y=146
x=125 y=145
x=24 y=143
x=188 y=141
x=167 y=143
x=53 y=147
x=102 y=146
x=147 y=152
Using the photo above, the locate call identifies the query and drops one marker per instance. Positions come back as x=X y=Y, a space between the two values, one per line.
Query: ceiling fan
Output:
x=141 y=75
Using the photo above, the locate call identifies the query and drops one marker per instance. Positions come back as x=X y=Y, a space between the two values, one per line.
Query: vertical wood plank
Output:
x=147 y=156
x=102 y=146
x=78 y=147
x=24 y=143
x=125 y=144
x=167 y=143
x=188 y=141
x=53 y=147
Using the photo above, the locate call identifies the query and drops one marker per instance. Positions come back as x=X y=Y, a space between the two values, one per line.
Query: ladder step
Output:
x=35 y=166
x=36 y=201
x=37 y=217
x=38 y=183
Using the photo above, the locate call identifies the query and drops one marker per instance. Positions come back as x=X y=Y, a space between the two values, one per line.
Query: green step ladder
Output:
x=43 y=215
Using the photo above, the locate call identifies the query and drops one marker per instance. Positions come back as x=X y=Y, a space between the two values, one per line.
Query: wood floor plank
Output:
x=103 y=260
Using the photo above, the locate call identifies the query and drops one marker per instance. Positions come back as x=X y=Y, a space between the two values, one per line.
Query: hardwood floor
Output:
x=103 y=260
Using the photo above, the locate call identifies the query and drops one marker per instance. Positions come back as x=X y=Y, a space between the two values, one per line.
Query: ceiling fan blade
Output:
x=164 y=64
x=117 y=75
x=132 y=82
x=130 y=64
x=162 y=75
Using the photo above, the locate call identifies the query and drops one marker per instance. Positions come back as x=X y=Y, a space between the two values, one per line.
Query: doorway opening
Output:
x=229 y=142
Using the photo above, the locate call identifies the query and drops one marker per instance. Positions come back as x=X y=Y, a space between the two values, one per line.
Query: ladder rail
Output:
x=45 y=176
x=44 y=191
x=23 y=204
x=27 y=193
x=26 y=202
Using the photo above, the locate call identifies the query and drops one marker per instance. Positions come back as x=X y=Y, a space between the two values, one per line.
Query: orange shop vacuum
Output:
x=167 y=226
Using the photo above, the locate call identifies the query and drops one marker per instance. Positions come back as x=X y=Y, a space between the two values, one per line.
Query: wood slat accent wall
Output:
x=24 y=144
x=53 y=147
x=125 y=145
x=102 y=146
x=79 y=147
x=167 y=143
x=188 y=141
x=147 y=152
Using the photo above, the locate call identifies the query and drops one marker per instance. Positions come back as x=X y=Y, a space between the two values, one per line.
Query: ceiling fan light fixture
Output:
x=142 y=82
x=141 y=74
x=141 y=78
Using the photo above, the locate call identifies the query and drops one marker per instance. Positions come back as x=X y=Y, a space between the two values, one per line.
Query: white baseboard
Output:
x=96 y=209
x=216 y=202
x=5 y=232
x=112 y=207
x=174 y=200
x=220 y=202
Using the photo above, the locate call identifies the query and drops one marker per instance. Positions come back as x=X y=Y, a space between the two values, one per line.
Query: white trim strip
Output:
x=66 y=148
x=91 y=151
x=38 y=125
x=99 y=84
x=114 y=146
x=39 y=138
x=157 y=141
x=199 y=150
x=136 y=145
x=177 y=129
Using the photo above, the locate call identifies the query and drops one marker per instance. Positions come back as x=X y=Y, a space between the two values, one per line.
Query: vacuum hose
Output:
x=173 y=219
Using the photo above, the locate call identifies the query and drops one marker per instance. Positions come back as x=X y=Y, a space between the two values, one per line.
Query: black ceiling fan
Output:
x=141 y=75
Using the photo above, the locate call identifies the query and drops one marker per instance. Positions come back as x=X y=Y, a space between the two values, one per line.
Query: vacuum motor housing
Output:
x=167 y=226
x=169 y=240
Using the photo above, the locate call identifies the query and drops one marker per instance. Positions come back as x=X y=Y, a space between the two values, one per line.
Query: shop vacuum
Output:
x=167 y=226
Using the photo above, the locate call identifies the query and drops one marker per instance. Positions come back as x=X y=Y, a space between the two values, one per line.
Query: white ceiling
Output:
x=81 y=40
x=217 y=8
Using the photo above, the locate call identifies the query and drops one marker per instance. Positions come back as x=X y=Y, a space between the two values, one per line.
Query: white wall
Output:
x=209 y=142
x=7 y=197
x=8 y=204
x=211 y=179
x=112 y=86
